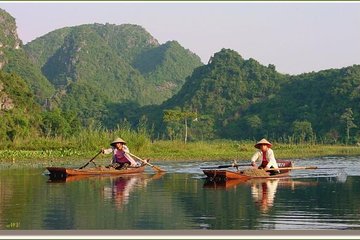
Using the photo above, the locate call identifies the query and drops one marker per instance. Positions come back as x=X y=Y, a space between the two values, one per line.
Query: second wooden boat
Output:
x=217 y=174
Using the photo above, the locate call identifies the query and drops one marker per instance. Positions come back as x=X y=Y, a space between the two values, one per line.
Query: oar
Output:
x=226 y=166
x=298 y=168
x=90 y=160
x=152 y=166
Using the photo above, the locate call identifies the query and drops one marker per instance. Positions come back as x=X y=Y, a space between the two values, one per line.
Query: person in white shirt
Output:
x=265 y=155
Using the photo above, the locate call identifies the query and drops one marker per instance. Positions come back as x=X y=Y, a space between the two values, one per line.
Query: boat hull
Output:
x=65 y=172
x=217 y=174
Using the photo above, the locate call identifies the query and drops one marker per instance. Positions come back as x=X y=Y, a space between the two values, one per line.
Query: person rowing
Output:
x=265 y=155
x=121 y=158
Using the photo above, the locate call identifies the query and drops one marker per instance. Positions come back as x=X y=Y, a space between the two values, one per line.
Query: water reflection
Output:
x=115 y=189
x=74 y=178
x=263 y=193
x=120 y=188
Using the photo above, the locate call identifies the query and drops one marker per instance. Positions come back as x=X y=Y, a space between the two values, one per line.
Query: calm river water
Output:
x=182 y=199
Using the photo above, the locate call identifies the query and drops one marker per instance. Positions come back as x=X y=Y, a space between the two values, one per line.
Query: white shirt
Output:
x=258 y=156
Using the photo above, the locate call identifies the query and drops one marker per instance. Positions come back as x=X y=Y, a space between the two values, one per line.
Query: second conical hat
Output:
x=263 y=142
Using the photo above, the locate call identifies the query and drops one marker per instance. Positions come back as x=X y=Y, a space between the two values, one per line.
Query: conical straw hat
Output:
x=263 y=142
x=117 y=140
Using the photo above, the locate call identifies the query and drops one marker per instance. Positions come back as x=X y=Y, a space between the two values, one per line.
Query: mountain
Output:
x=45 y=46
x=166 y=66
x=227 y=85
x=116 y=59
x=85 y=59
x=219 y=93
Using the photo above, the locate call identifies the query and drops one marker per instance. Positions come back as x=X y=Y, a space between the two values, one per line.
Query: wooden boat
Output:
x=75 y=178
x=221 y=175
x=59 y=172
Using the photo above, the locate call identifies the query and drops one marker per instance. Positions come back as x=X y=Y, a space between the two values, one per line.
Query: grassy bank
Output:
x=230 y=150
x=177 y=150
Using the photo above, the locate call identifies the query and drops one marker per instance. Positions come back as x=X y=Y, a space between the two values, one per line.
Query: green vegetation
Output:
x=239 y=99
x=90 y=142
x=19 y=112
x=18 y=62
x=167 y=66
x=319 y=101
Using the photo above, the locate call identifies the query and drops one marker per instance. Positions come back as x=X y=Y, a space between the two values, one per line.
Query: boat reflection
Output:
x=116 y=189
x=72 y=178
x=231 y=183
x=263 y=191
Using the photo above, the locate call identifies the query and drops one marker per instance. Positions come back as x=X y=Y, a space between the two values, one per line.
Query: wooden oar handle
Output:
x=147 y=163
x=293 y=168
x=90 y=160
x=226 y=166
x=140 y=159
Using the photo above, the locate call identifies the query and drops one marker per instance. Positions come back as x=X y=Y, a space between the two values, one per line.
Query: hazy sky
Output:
x=296 y=37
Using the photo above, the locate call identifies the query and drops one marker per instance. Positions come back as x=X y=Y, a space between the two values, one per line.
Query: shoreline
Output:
x=194 y=151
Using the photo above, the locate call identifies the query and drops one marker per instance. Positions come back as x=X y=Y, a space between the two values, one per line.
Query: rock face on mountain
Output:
x=13 y=59
x=8 y=33
x=8 y=36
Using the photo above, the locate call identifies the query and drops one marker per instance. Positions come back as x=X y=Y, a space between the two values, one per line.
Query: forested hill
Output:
x=20 y=113
x=322 y=105
x=219 y=93
x=227 y=85
x=241 y=99
x=123 y=62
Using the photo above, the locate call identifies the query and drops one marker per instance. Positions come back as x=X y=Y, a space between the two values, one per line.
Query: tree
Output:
x=176 y=116
x=203 y=127
x=54 y=124
x=302 y=130
x=333 y=135
x=347 y=118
